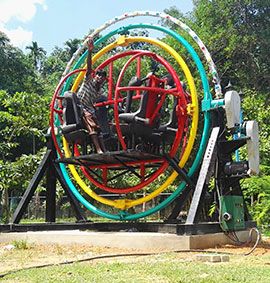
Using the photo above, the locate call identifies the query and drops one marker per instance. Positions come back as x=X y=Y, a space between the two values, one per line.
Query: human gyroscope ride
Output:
x=166 y=127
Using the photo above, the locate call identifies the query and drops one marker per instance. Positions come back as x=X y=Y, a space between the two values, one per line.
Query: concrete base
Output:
x=127 y=240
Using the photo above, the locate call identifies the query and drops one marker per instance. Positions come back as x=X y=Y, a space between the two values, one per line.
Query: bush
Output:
x=257 y=193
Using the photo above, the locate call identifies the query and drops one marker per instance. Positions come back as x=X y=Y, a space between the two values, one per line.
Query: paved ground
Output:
x=126 y=240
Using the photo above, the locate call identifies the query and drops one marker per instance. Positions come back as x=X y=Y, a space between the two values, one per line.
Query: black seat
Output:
x=172 y=124
x=135 y=126
x=126 y=107
x=102 y=117
x=73 y=127
x=147 y=106
x=169 y=129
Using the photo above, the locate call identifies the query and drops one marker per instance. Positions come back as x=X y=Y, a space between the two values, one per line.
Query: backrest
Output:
x=148 y=103
x=72 y=113
x=172 y=124
x=135 y=81
x=147 y=107
x=173 y=121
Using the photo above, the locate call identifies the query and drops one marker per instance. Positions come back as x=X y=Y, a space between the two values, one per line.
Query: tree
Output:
x=22 y=116
x=237 y=34
x=17 y=72
x=36 y=53
x=3 y=39
x=71 y=46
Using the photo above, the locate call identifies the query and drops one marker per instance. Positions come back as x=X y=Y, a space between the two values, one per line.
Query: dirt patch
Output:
x=48 y=254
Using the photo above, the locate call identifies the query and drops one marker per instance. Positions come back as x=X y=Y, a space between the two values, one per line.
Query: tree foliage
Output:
x=16 y=72
x=23 y=120
x=36 y=54
x=237 y=34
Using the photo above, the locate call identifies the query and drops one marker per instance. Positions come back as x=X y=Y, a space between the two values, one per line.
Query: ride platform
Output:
x=112 y=158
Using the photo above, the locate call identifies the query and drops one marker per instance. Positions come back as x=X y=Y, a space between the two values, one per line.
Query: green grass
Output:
x=265 y=231
x=160 y=268
x=92 y=218
x=41 y=220
x=20 y=244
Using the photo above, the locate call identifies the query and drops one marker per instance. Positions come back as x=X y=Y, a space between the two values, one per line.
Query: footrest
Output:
x=79 y=136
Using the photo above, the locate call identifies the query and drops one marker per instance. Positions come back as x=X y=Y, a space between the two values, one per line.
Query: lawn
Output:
x=165 y=267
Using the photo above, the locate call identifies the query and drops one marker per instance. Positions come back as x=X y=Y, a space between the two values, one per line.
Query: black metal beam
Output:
x=228 y=147
x=50 y=212
x=173 y=162
x=179 y=229
x=32 y=187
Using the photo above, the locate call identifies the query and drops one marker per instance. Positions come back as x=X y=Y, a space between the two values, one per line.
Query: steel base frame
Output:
x=157 y=227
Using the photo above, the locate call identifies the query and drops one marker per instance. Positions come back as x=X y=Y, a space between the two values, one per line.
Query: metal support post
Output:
x=207 y=160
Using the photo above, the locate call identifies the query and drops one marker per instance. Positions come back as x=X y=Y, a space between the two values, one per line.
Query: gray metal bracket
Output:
x=204 y=176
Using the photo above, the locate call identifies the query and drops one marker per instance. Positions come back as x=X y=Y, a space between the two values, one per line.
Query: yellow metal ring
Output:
x=126 y=203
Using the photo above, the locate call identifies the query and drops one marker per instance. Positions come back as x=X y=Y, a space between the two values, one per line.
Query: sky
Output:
x=52 y=22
